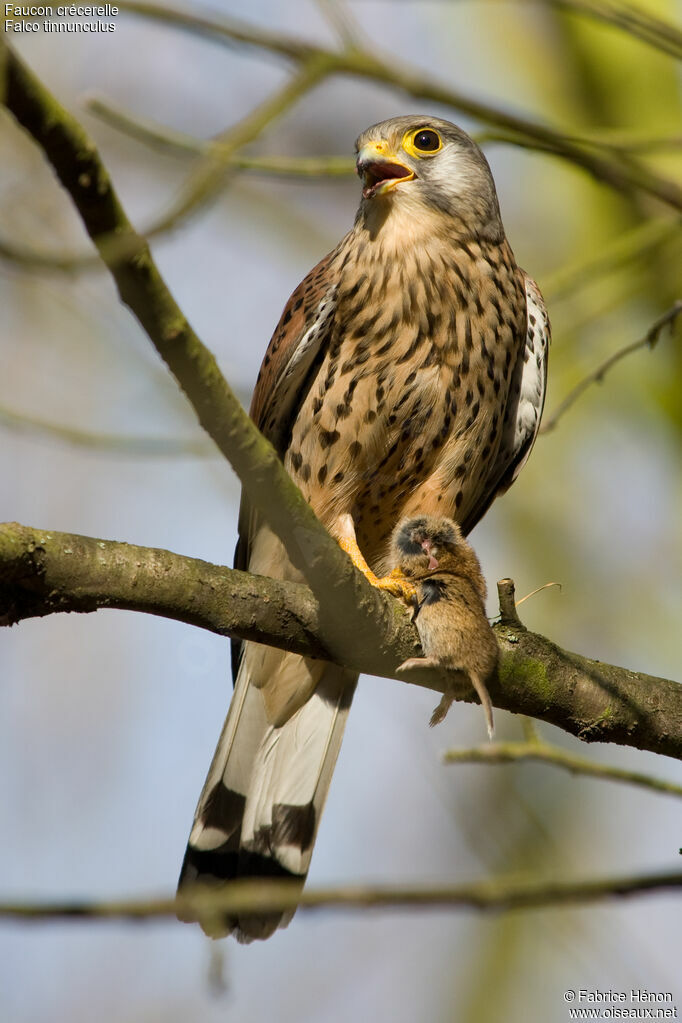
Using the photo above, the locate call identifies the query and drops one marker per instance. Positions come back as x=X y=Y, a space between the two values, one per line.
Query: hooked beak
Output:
x=379 y=170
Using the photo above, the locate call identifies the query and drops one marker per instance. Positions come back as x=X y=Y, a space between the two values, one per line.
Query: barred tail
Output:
x=261 y=804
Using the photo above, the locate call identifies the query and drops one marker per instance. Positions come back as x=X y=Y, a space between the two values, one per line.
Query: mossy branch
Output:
x=43 y=572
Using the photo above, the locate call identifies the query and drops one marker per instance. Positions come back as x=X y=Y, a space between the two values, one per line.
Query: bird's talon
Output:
x=398 y=587
x=396 y=583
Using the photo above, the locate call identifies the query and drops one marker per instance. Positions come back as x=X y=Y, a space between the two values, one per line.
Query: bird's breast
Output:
x=406 y=404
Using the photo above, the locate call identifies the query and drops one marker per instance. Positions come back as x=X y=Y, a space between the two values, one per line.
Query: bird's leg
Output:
x=396 y=583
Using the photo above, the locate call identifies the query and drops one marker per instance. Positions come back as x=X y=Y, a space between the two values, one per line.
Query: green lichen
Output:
x=605 y=715
x=532 y=673
x=509 y=633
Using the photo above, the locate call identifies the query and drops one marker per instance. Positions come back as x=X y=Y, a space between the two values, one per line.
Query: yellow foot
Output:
x=396 y=583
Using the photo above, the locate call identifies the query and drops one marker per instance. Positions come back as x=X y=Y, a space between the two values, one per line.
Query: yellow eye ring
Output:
x=422 y=142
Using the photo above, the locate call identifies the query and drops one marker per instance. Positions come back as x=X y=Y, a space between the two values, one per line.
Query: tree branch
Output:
x=203 y=184
x=161 y=136
x=625 y=177
x=547 y=753
x=45 y=572
x=314 y=64
x=635 y=21
x=349 y=33
x=352 y=614
x=350 y=607
x=358 y=625
x=270 y=896
x=592 y=700
x=597 y=375
x=128 y=445
x=173 y=140
x=621 y=251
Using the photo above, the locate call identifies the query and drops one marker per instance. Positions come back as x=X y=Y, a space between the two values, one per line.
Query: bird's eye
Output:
x=422 y=141
x=427 y=141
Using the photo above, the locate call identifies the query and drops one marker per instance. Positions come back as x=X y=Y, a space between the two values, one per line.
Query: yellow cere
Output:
x=422 y=142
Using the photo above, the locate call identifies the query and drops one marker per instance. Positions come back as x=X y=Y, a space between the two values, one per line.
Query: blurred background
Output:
x=108 y=721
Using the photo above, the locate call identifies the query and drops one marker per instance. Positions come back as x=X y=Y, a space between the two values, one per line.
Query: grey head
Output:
x=424 y=161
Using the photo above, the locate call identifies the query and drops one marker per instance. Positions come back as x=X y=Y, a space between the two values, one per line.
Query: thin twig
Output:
x=529 y=729
x=163 y=137
x=33 y=260
x=158 y=136
x=649 y=340
x=204 y=184
x=630 y=177
x=226 y=31
x=538 y=589
x=615 y=139
x=269 y=896
x=107 y=443
x=344 y=24
x=153 y=134
x=314 y=64
x=635 y=21
x=209 y=178
x=352 y=608
x=622 y=250
x=514 y=752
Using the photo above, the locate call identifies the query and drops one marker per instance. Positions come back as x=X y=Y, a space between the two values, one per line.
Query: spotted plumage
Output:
x=406 y=376
x=449 y=605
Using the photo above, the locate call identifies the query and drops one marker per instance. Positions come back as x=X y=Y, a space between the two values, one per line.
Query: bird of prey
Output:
x=406 y=377
x=450 y=605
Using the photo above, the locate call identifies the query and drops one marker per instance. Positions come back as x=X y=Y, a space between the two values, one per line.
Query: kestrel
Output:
x=406 y=377
x=450 y=605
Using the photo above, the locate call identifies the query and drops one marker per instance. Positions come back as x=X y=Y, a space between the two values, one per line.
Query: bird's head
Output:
x=419 y=162
x=423 y=542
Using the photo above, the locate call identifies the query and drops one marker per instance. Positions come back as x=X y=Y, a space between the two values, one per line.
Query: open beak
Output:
x=379 y=170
